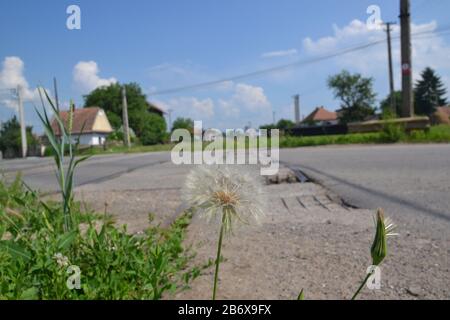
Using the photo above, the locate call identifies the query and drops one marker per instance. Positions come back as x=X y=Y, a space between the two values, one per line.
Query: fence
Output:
x=318 y=130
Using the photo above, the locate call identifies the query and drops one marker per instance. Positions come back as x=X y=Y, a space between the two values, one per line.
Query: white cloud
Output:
x=86 y=78
x=229 y=109
x=191 y=106
x=11 y=76
x=245 y=98
x=281 y=53
x=250 y=97
x=429 y=49
x=237 y=98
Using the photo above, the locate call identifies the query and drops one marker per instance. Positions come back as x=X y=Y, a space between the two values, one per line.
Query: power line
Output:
x=266 y=71
x=290 y=65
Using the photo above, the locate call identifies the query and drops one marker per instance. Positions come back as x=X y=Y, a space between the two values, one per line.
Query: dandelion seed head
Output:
x=233 y=190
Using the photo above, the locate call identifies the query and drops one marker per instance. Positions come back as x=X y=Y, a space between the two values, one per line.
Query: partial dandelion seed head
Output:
x=384 y=228
x=389 y=227
x=231 y=190
x=61 y=260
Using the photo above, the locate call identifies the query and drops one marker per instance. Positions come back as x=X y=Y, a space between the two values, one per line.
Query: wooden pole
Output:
x=23 y=131
x=391 y=71
x=407 y=82
x=126 y=130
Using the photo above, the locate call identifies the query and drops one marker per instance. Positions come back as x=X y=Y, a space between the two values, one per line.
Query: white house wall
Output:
x=91 y=139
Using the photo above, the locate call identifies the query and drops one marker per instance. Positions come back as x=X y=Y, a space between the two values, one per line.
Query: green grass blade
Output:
x=16 y=251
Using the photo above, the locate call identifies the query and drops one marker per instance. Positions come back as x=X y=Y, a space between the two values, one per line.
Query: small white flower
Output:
x=233 y=191
x=61 y=260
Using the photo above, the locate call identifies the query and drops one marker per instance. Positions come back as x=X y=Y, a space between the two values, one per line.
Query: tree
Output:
x=153 y=129
x=285 y=124
x=183 y=123
x=149 y=127
x=356 y=95
x=385 y=104
x=10 y=140
x=429 y=93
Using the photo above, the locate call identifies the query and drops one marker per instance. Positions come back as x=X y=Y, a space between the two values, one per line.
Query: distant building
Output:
x=91 y=125
x=155 y=109
x=321 y=117
x=211 y=134
x=441 y=116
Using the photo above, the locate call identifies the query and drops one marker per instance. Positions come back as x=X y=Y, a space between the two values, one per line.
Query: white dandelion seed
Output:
x=231 y=190
x=233 y=193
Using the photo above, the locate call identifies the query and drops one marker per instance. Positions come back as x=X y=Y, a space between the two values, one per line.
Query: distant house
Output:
x=320 y=116
x=90 y=124
x=155 y=109
x=211 y=134
x=441 y=115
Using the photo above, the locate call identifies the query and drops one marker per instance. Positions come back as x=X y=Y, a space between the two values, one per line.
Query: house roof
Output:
x=83 y=121
x=155 y=108
x=444 y=110
x=321 y=114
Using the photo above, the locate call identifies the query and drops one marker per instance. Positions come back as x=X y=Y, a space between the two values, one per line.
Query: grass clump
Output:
x=36 y=253
x=55 y=251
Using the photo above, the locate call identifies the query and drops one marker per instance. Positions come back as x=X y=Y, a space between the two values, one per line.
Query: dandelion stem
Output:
x=219 y=249
x=362 y=285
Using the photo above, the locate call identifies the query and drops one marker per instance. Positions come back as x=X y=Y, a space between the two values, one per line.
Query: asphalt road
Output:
x=40 y=173
x=411 y=182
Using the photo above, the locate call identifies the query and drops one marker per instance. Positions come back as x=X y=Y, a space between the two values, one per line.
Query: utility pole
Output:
x=391 y=71
x=273 y=117
x=23 y=131
x=56 y=93
x=126 y=130
x=170 y=119
x=297 y=108
x=407 y=83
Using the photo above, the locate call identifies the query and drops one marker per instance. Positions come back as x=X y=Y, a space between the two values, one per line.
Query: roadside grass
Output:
x=36 y=253
x=436 y=134
x=123 y=149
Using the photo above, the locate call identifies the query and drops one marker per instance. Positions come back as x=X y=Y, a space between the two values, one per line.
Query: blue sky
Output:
x=171 y=43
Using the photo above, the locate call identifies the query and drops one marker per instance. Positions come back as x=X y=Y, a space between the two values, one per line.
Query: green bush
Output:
x=116 y=136
x=392 y=132
x=153 y=129
x=35 y=253
x=183 y=123
x=10 y=139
